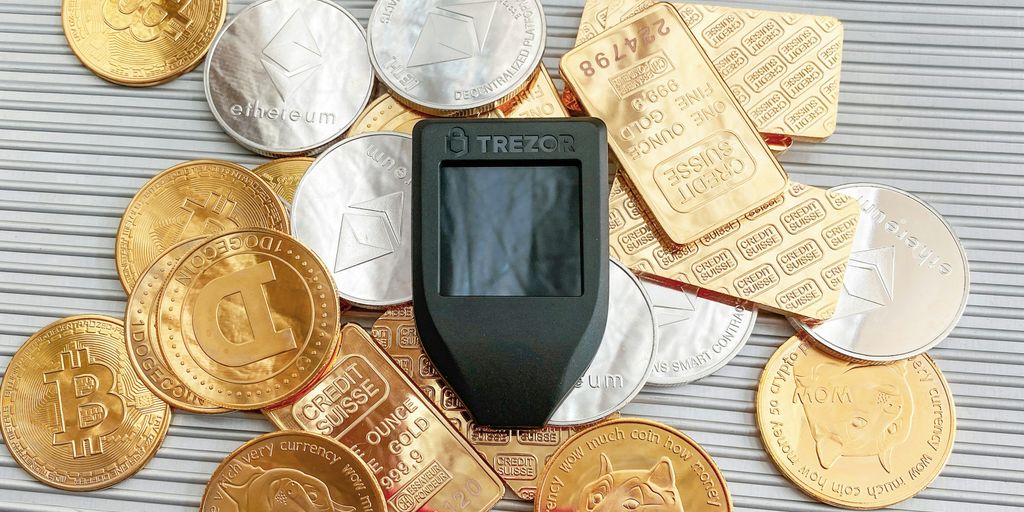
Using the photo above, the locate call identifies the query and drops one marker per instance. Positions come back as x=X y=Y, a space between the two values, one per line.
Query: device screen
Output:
x=511 y=231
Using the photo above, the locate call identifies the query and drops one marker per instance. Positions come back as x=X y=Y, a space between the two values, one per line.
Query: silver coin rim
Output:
x=650 y=362
x=717 y=366
x=809 y=330
x=438 y=108
x=374 y=305
x=266 y=150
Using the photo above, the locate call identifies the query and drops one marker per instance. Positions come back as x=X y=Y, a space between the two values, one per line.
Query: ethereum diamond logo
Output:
x=868 y=284
x=372 y=233
x=292 y=56
x=671 y=306
x=453 y=32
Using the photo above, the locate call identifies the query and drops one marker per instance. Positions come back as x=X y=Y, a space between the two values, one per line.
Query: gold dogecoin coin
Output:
x=854 y=435
x=631 y=464
x=248 y=318
x=283 y=174
x=196 y=198
x=140 y=332
x=75 y=414
x=141 y=43
x=292 y=470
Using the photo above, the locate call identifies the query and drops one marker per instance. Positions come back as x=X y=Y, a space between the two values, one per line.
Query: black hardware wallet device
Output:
x=510 y=258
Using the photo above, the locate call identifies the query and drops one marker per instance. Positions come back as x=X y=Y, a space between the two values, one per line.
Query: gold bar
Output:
x=516 y=455
x=679 y=133
x=369 y=405
x=539 y=99
x=789 y=255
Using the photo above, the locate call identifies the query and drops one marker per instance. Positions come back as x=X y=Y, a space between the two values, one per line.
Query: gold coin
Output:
x=141 y=335
x=632 y=464
x=854 y=435
x=196 y=198
x=386 y=114
x=248 y=318
x=141 y=42
x=75 y=414
x=283 y=174
x=290 y=470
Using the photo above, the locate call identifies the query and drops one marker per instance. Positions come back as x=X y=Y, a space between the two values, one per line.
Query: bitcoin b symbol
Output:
x=145 y=20
x=87 y=408
x=211 y=216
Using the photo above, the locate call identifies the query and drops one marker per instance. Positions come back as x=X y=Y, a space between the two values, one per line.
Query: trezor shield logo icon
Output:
x=868 y=284
x=372 y=232
x=292 y=56
x=453 y=32
x=458 y=144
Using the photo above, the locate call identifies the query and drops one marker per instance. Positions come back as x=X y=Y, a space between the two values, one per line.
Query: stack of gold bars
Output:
x=235 y=303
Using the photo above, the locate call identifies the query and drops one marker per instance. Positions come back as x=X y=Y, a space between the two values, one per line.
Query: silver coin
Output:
x=696 y=336
x=288 y=77
x=456 y=58
x=623 y=361
x=352 y=208
x=906 y=284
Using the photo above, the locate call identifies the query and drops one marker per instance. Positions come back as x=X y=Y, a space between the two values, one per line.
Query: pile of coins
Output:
x=244 y=287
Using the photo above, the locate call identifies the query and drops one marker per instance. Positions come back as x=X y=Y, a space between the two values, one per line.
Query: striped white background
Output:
x=932 y=102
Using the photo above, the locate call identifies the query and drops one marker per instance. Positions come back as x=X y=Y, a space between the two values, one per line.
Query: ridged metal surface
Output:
x=932 y=102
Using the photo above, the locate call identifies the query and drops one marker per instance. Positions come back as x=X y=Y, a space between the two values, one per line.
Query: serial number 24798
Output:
x=646 y=34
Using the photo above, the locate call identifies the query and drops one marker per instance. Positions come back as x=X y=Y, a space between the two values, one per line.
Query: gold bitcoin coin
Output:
x=386 y=114
x=140 y=332
x=141 y=42
x=854 y=435
x=248 y=318
x=292 y=471
x=75 y=414
x=283 y=174
x=632 y=464
x=196 y=198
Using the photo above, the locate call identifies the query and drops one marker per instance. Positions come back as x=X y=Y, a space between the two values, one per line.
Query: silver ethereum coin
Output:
x=696 y=336
x=624 y=359
x=906 y=283
x=288 y=77
x=352 y=208
x=456 y=57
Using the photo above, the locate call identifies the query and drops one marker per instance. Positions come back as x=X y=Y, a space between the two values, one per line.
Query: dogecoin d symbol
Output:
x=87 y=409
x=266 y=340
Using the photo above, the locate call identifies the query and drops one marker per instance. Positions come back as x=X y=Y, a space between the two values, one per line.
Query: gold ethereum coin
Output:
x=285 y=471
x=854 y=435
x=140 y=333
x=141 y=42
x=248 y=318
x=283 y=174
x=632 y=465
x=195 y=198
x=75 y=414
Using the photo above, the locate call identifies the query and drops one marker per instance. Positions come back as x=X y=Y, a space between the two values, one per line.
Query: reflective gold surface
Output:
x=516 y=455
x=248 y=318
x=788 y=255
x=677 y=130
x=195 y=198
x=75 y=415
x=141 y=43
x=783 y=67
x=854 y=435
x=292 y=472
x=368 y=404
x=283 y=174
x=141 y=334
x=632 y=465
x=539 y=99
x=386 y=114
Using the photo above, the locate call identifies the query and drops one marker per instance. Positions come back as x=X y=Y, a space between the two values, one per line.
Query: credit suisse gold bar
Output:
x=369 y=405
x=783 y=67
x=789 y=255
x=517 y=455
x=539 y=99
x=681 y=137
